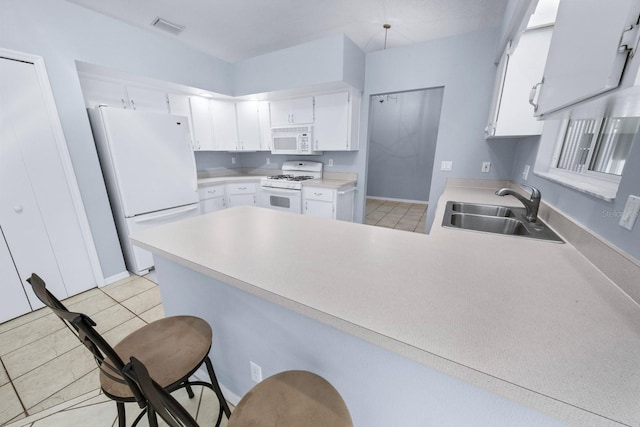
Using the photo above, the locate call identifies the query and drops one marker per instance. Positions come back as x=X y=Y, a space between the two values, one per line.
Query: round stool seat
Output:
x=292 y=399
x=171 y=348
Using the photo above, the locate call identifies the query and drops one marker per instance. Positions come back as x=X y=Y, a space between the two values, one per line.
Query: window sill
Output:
x=600 y=189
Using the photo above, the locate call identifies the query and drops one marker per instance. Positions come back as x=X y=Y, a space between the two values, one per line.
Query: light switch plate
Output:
x=446 y=165
x=630 y=213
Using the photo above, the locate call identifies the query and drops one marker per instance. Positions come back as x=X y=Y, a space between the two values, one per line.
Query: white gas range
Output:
x=283 y=192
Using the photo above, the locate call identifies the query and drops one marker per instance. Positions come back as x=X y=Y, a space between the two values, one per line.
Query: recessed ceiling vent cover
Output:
x=165 y=25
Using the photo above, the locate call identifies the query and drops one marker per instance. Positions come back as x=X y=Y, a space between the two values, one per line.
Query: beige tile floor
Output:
x=397 y=215
x=47 y=378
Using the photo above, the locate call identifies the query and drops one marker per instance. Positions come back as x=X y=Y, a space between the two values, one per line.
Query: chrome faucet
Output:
x=532 y=204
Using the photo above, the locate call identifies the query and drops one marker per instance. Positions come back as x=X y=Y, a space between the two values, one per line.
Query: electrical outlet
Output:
x=630 y=213
x=233 y=160
x=525 y=172
x=446 y=165
x=256 y=372
x=330 y=162
x=268 y=160
x=486 y=167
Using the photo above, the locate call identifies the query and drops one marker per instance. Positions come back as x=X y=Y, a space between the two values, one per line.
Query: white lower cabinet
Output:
x=241 y=194
x=212 y=198
x=328 y=203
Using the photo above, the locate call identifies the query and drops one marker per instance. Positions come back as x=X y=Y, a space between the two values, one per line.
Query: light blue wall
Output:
x=402 y=144
x=594 y=214
x=464 y=66
x=62 y=33
x=328 y=60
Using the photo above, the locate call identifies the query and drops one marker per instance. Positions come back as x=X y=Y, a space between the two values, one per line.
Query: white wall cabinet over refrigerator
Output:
x=336 y=122
x=519 y=69
x=120 y=95
x=291 y=111
x=329 y=203
x=589 y=51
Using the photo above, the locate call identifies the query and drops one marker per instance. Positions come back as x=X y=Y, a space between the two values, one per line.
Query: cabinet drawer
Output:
x=242 y=188
x=211 y=191
x=318 y=193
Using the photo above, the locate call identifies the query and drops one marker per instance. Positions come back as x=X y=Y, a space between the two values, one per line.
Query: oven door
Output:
x=281 y=199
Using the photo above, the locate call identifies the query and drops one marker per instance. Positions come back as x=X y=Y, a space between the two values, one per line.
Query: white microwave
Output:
x=292 y=140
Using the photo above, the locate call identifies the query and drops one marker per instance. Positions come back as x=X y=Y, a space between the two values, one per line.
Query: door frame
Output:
x=65 y=157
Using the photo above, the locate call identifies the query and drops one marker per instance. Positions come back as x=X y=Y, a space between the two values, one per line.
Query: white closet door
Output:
x=20 y=213
x=14 y=299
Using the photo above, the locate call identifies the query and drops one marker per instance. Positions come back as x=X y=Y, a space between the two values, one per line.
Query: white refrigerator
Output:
x=150 y=172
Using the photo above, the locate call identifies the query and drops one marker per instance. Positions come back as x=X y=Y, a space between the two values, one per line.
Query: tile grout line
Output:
x=24 y=409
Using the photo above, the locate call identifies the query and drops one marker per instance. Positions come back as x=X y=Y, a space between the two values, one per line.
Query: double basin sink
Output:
x=496 y=219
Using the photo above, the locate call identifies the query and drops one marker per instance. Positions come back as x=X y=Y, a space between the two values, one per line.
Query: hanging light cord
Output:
x=386 y=28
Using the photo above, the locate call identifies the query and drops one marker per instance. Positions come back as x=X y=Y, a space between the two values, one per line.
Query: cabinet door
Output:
x=212 y=205
x=225 y=128
x=331 y=127
x=265 y=126
x=248 y=126
x=319 y=208
x=101 y=92
x=584 y=57
x=14 y=300
x=147 y=99
x=292 y=111
x=524 y=69
x=242 y=199
x=202 y=122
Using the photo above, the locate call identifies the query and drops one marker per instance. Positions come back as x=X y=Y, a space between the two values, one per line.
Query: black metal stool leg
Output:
x=189 y=390
x=216 y=388
x=151 y=416
x=122 y=422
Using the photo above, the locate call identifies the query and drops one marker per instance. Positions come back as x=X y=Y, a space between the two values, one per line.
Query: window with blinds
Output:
x=598 y=145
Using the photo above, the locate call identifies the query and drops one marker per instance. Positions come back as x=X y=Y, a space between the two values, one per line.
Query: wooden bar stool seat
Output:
x=171 y=348
x=287 y=399
x=292 y=398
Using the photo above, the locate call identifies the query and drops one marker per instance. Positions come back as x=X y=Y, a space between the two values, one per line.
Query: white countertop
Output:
x=533 y=321
x=337 y=183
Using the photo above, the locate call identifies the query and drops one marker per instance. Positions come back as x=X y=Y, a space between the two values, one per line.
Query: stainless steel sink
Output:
x=489 y=224
x=496 y=219
x=475 y=209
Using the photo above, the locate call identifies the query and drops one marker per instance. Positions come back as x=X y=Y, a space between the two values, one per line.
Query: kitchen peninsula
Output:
x=451 y=328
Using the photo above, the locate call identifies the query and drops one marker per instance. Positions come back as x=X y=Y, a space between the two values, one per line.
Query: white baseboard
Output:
x=112 y=279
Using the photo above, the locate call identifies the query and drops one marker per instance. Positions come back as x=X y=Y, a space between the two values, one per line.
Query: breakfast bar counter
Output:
x=451 y=328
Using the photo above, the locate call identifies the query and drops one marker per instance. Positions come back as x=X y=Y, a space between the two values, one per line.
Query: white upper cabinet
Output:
x=336 y=121
x=225 y=127
x=202 y=122
x=292 y=111
x=265 y=125
x=588 y=52
x=519 y=69
x=248 y=126
x=101 y=92
x=147 y=99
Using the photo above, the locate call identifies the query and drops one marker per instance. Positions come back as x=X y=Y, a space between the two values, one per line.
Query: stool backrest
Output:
x=83 y=327
x=158 y=399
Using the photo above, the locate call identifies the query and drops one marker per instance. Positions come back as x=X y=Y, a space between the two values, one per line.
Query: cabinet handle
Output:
x=306 y=205
x=133 y=104
x=532 y=94
x=124 y=103
x=18 y=208
x=318 y=194
x=211 y=191
x=242 y=188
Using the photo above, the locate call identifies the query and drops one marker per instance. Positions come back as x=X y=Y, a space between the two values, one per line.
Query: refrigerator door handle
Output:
x=146 y=218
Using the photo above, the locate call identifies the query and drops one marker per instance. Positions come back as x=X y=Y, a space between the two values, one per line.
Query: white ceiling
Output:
x=233 y=30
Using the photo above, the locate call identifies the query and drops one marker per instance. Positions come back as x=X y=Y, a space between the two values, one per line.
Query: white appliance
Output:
x=150 y=173
x=292 y=140
x=284 y=192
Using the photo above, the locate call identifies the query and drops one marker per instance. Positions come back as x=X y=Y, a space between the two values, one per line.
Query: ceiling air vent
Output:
x=165 y=25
